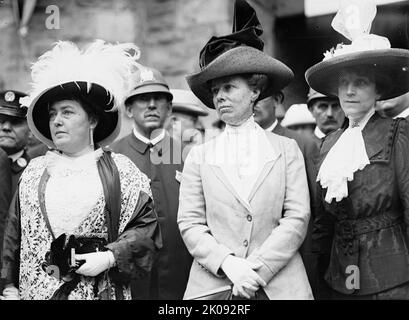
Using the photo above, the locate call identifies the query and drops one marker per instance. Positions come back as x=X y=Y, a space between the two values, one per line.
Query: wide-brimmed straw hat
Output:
x=97 y=76
x=389 y=65
x=238 y=53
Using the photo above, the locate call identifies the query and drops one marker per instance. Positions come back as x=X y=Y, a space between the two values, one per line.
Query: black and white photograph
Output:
x=204 y=155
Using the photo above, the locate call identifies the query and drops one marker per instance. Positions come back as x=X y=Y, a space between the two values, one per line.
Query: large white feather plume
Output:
x=109 y=65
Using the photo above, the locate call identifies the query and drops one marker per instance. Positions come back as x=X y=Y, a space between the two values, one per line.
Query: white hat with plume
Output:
x=98 y=74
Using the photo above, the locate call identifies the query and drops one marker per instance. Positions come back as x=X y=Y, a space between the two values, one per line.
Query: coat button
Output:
x=249 y=218
x=245 y=243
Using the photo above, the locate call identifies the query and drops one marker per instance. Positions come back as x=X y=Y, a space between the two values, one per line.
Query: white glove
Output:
x=10 y=292
x=241 y=272
x=95 y=262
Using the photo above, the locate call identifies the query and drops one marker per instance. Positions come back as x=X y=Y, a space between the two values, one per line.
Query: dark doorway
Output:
x=301 y=42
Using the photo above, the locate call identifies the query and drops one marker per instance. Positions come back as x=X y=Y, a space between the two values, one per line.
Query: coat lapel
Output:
x=221 y=168
x=19 y=165
x=137 y=144
x=271 y=154
x=218 y=160
x=374 y=137
x=262 y=176
x=218 y=171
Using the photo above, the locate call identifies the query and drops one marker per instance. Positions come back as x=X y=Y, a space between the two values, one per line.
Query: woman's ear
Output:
x=377 y=95
x=255 y=94
x=93 y=123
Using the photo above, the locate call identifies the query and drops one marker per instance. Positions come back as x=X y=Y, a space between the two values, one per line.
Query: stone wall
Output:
x=170 y=33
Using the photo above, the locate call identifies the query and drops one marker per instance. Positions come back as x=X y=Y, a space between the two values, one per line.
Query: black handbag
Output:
x=63 y=250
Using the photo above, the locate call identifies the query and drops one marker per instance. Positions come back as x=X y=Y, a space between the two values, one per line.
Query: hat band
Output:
x=13 y=112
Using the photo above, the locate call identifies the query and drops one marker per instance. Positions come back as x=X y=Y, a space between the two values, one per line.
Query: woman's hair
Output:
x=256 y=80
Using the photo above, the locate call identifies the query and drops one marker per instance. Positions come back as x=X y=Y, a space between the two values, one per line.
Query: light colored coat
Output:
x=215 y=221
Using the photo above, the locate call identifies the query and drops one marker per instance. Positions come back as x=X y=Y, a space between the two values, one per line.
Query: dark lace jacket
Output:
x=134 y=249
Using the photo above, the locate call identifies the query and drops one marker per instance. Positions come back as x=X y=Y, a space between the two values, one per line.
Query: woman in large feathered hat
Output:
x=244 y=202
x=82 y=217
x=363 y=171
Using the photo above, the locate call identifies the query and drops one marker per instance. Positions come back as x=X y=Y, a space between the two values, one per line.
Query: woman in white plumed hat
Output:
x=244 y=203
x=81 y=224
x=363 y=177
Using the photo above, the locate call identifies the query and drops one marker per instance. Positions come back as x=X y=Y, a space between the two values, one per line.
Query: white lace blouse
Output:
x=72 y=191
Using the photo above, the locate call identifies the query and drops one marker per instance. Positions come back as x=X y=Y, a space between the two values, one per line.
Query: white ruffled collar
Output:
x=346 y=156
x=60 y=164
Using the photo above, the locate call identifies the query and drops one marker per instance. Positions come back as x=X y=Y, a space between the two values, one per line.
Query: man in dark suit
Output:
x=5 y=192
x=5 y=198
x=14 y=133
x=159 y=156
x=394 y=108
x=264 y=115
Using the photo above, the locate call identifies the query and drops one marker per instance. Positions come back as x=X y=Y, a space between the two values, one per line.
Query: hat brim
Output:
x=149 y=88
x=240 y=60
x=321 y=97
x=13 y=108
x=109 y=122
x=392 y=63
x=190 y=109
x=12 y=111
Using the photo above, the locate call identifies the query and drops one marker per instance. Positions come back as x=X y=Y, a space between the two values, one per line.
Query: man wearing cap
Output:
x=14 y=133
x=184 y=122
x=327 y=113
x=394 y=108
x=265 y=116
x=157 y=155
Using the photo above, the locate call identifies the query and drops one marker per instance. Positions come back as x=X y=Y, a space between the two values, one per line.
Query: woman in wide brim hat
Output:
x=79 y=196
x=244 y=202
x=363 y=173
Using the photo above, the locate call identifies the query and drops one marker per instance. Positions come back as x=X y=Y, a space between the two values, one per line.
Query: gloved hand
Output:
x=10 y=292
x=241 y=272
x=95 y=262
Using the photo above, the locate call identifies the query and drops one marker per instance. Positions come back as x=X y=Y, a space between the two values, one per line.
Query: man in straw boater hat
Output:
x=82 y=219
x=363 y=177
x=244 y=203
x=159 y=156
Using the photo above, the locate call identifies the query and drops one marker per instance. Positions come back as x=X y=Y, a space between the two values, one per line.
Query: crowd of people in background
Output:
x=254 y=207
